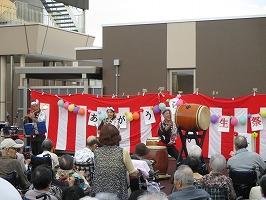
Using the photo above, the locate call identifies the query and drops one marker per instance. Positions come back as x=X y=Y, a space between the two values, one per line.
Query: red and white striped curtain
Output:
x=69 y=131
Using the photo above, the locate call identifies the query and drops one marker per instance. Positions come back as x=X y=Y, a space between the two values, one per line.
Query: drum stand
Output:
x=185 y=135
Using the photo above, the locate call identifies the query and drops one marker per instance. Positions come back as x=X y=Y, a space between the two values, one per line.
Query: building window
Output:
x=182 y=80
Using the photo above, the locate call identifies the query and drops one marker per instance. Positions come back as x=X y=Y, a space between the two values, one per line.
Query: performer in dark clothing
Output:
x=36 y=115
x=168 y=134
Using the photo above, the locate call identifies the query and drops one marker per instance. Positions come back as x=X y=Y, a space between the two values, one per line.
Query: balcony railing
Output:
x=22 y=12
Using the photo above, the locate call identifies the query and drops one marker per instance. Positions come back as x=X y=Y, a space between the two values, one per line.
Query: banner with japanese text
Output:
x=68 y=129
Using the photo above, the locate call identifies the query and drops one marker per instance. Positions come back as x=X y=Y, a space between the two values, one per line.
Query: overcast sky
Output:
x=106 y=12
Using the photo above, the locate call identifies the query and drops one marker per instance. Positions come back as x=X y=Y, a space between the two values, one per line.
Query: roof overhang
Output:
x=39 y=42
x=50 y=73
x=89 y=53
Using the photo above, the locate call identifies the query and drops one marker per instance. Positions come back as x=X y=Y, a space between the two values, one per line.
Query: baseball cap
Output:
x=8 y=143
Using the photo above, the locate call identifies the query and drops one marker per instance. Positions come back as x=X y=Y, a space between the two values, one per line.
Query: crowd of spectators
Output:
x=111 y=166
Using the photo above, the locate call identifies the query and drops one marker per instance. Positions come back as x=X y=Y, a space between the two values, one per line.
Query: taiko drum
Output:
x=160 y=155
x=153 y=141
x=192 y=117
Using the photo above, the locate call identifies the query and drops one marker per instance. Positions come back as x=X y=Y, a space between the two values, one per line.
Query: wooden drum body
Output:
x=193 y=117
x=160 y=155
x=153 y=141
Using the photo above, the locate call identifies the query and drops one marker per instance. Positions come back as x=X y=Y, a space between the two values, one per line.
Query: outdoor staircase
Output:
x=61 y=15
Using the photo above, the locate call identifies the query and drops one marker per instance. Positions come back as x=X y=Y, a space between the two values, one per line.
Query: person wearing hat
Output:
x=9 y=163
x=20 y=157
x=36 y=115
x=168 y=134
x=111 y=119
x=140 y=152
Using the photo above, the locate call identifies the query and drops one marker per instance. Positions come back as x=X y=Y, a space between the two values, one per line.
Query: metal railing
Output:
x=22 y=12
x=7 y=13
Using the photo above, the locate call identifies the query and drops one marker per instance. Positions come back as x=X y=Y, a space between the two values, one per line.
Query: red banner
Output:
x=68 y=130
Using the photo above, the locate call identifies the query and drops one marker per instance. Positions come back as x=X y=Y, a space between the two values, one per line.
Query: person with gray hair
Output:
x=245 y=160
x=66 y=170
x=215 y=179
x=47 y=147
x=184 y=183
x=196 y=151
x=153 y=196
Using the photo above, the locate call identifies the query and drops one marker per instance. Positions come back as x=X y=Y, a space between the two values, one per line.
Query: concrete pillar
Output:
x=83 y=21
x=12 y=105
x=25 y=94
x=85 y=83
x=22 y=64
x=23 y=82
x=75 y=63
x=64 y=64
x=3 y=88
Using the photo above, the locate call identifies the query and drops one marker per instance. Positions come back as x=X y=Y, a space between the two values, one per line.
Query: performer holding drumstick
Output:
x=36 y=115
x=168 y=134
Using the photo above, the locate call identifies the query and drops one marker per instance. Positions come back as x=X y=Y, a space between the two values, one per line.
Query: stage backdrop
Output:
x=68 y=125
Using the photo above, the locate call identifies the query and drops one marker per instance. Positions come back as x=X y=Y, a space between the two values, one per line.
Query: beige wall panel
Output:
x=181 y=45
x=61 y=43
x=90 y=41
x=13 y=40
x=36 y=37
x=40 y=39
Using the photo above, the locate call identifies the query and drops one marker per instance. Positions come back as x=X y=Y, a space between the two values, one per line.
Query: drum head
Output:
x=203 y=118
x=153 y=138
